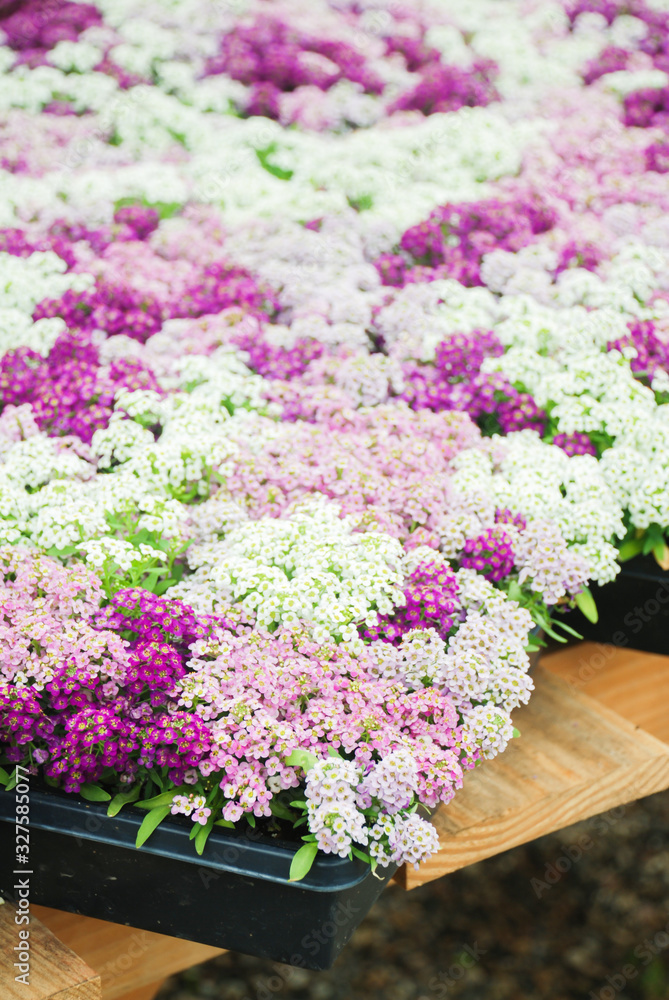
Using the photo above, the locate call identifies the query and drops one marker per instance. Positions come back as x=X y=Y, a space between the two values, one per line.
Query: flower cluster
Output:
x=452 y=241
x=33 y=28
x=288 y=67
x=330 y=365
x=431 y=601
x=70 y=392
x=275 y=54
x=312 y=566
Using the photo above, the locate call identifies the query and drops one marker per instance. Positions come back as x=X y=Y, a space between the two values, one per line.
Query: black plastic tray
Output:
x=633 y=609
x=235 y=896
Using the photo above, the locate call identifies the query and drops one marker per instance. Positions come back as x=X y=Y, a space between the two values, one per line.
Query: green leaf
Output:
x=93 y=793
x=653 y=536
x=553 y=634
x=122 y=799
x=13 y=778
x=361 y=855
x=202 y=834
x=63 y=553
x=280 y=809
x=264 y=158
x=545 y=623
x=150 y=822
x=655 y=532
x=516 y=733
x=303 y=759
x=139 y=537
x=632 y=547
x=539 y=619
x=251 y=820
x=157 y=777
x=361 y=204
x=4 y=776
x=661 y=553
x=225 y=822
x=568 y=629
x=163 y=799
x=585 y=602
x=302 y=862
x=165 y=209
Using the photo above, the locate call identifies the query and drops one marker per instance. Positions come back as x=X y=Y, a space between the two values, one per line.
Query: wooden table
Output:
x=594 y=736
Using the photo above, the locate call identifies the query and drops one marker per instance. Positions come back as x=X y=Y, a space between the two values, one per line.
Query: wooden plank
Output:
x=126 y=958
x=55 y=972
x=575 y=758
x=634 y=684
x=147 y=992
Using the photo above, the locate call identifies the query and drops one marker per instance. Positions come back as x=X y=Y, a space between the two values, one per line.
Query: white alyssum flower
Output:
x=421 y=315
x=308 y=565
x=100 y=553
x=25 y=281
x=540 y=481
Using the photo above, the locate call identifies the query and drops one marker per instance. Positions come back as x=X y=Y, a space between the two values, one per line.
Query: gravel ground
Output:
x=531 y=924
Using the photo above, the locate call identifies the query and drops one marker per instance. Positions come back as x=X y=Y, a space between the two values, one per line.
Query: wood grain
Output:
x=576 y=758
x=633 y=684
x=127 y=959
x=147 y=992
x=56 y=972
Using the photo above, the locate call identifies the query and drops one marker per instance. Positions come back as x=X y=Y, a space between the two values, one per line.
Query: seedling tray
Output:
x=235 y=896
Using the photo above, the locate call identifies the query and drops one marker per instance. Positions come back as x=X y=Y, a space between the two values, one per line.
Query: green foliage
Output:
x=202 y=834
x=152 y=819
x=165 y=798
x=264 y=156
x=94 y=793
x=585 y=602
x=165 y=209
x=123 y=799
x=303 y=759
x=362 y=203
x=302 y=861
